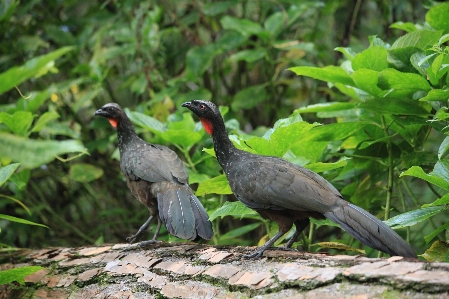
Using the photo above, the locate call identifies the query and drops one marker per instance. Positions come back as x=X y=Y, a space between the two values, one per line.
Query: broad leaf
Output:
x=321 y=167
x=433 y=178
x=44 y=119
x=146 y=121
x=244 y=26
x=413 y=217
x=16 y=75
x=326 y=107
x=216 y=185
x=249 y=97
x=17 y=274
x=33 y=153
x=216 y=8
x=437 y=252
x=84 y=173
x=373 y=58
x=436 y=95
x=185 y=138
x=438 y=17
x=421 y=39
x=235 y=208
x=7 y=171
x=199 y=59
x=395 y=107
x=337 y=131
x=19 y=122
x=332 y=74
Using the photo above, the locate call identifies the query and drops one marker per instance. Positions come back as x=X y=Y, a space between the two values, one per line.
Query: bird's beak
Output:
x=187 y=104
x=101 y=112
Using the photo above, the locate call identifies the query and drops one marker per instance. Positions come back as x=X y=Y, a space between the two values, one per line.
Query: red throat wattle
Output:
x=113 y=122
x=208 y=126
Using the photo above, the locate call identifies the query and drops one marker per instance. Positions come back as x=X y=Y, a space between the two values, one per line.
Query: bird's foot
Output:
x=255 y=255
x=132 y=238
x=149 y=242
x=285 y=248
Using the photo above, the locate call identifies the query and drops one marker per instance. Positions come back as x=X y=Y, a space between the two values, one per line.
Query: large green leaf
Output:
x=216 y=185
x=436 y=95
x=19 y=122
x=216 y=8
x=244 y=26
x=438 y=17
x=16 y=75
x=20 y=220
x=435 y=179
x=421 y=39
x=185 y=138
x=146 y=121
x=199 y=59
x=17 y=274
x=437 y=252
x=33 y=153
x=321 y=167
x=249 y=97
x=334 y=74
x=395 y=107
x=373 y=58
x=235 y=208
x=401 y=84
x=367 y=81
x=326 y=107
x=44 y=119
x=249 y=55
x=337 y=131
x=84 y=173
x=7 y=171
x=414 y=217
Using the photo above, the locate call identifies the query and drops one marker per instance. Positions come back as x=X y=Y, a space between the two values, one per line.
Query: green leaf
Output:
x=367 y=80
x=7 y=171
x=199 y=59
x=248 y=55
x=18 y=123
x=244 y=26
x=421 y=39
x=395 y=107
x=337 y=131
x=20 y=220
x=321 y=167
x=373 y=58
x=146 y=121
x=184 y=138
x=432 y=235
x=401 y=84
x=438 y=17
x=334 y=74
x=325 y=222
x=235 y=208
x=240 y=231
x=436 y=95
x=275 y=23
x=339 y=246
x=326 y=107
x=407 y=26
x=33 y=153
x=229 y=40
x=249 y=97
x=17 y=274
x=16 y=75
x=347 y=52
x=44 y=119
x=216 y=185
x=432 y=178
x=413 y=217
x=436 y=252
x=444 y=148
x=84 y=173
x=216 y=8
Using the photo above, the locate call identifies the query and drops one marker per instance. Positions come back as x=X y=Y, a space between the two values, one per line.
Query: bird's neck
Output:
x=224 y=148
x=125 y=133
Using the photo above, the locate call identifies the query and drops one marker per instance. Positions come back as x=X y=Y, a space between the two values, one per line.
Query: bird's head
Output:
x=113 y=112
x=207 y=112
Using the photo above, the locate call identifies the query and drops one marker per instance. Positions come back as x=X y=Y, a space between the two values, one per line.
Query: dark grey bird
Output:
x=158 y=179
x=289 y=194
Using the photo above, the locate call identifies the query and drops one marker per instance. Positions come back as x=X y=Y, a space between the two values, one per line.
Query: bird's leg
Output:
x=258 y=253
x=156 y=234
x=140 y=231
x=300 y=226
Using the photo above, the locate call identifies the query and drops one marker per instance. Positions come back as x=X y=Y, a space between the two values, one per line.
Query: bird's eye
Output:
x=202 y=107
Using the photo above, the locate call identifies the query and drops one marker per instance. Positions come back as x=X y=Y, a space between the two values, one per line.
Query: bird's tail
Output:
x=370 y=230
x=182 y=213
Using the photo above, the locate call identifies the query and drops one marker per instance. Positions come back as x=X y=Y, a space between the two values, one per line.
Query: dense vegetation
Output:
x=373 y=124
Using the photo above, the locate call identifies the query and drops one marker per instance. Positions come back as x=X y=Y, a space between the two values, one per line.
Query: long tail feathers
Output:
x=182 y=213
x=369 y=230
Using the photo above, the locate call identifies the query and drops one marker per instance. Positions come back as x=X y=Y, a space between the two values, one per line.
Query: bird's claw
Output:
x=132 y=238
x=252 y=256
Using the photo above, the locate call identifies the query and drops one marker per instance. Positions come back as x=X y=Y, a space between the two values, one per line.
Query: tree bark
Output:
x=189 y=270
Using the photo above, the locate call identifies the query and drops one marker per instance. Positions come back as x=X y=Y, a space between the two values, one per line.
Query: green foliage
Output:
x=380 y=105
x=17 y=274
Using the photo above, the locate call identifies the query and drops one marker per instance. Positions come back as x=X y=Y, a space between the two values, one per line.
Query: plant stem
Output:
x=311 y=229
x=390 y=173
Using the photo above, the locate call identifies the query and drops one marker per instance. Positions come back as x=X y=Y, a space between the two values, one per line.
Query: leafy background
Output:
x=355 y=90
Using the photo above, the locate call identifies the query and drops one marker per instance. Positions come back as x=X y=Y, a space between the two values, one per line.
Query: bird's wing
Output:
x=153 y=163
x=273 y=183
